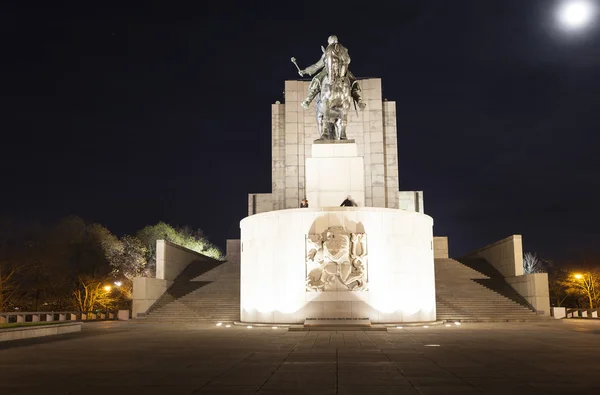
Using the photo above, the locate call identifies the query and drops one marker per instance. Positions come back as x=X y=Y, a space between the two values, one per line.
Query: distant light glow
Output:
x=578 y=276
x=576 y=14
x=274 y=327
x=107 y=288
x=457 y=323
x=425 y=326
x=448 y=325
x=219 y=323
x=118 y=283
x=249 y=327
x=432 y=345
x=227 y=326
x=398 y=327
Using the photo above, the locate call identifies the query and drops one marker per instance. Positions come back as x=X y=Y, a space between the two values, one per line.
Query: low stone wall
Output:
x=260 y=203
x=27 y=332
x=400 y=267
x=172 y=259
x=146 y=291
x=440 y=247
x=411 y=201
x=233 y=251
x=49 y=316
x=534 y=288
x=505 y=255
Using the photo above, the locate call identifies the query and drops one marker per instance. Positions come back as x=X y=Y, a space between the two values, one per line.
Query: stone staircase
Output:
x=469 y=291
x=203 y=292
x=475 y=291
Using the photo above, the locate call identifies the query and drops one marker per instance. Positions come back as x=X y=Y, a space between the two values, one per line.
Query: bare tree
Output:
x=9 y=271
x=92 y=293
x=585 y=284
x=8 y=284
x=533 y=264
x=559 y=293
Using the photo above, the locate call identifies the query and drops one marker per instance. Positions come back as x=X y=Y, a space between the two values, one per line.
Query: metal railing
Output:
x=58 y=316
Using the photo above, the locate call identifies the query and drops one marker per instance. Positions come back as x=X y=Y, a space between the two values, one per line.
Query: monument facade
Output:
x=335 y=138
x=294 y=130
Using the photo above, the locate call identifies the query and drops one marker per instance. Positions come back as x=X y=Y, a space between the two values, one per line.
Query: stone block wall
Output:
x=440 y=247
x=374 y=130
x=171 y=259
x=390 y=151
x=534 y=288
x=278 y=155
x=505 y=255
x=411 y=201
x=233 y=251
x=146 y=291
x=260 y=203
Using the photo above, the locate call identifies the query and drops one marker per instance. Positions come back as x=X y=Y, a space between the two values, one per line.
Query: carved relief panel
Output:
x=336 y=255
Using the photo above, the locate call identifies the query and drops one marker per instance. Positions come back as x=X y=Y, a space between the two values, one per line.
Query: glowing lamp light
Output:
x=398 y=327
x=578 y=276
x=118 y=283
x=576 y=14
x=432 y=345
x=219 y=323
x=249 y=327
x=107 y=288
x=448 y=325
x=228 y=326
x=425 y=326
x=457 y=323
x=274 y=327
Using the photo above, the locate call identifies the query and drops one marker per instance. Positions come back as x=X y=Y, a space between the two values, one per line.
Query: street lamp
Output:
x=107 y=288
x=578 y=276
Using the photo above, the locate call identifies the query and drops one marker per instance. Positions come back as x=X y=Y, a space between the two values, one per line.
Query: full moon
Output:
x=576 y=14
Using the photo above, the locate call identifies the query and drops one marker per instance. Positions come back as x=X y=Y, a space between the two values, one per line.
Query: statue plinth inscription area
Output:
x=373 y=262
x=333 y=172
x=348 y=141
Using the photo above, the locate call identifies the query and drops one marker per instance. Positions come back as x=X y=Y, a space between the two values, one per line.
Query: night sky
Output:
x=127 y=115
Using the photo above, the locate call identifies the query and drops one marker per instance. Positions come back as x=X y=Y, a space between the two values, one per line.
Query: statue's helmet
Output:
x=332 y=40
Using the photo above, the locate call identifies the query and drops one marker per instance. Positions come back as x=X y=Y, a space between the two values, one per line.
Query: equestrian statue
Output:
x=335 y=88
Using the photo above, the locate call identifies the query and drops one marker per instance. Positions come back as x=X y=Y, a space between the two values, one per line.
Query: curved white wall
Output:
x=400 y=266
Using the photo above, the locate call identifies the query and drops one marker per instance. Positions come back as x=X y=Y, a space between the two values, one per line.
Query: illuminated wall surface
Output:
x=400 y=266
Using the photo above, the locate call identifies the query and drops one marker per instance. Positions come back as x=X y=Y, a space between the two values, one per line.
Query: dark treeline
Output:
x=74 y=265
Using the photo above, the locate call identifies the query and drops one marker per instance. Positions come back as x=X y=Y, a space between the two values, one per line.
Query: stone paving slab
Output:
x=554 y=357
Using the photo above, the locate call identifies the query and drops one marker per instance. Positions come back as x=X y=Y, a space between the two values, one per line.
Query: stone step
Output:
x=467 y=293
x=461 y=294
x=211 y=296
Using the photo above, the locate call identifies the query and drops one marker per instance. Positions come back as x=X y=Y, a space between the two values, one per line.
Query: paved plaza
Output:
x=135 y=358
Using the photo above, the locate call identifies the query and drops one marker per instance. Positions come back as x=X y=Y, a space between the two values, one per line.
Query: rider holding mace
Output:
x=315 y=85
x=337 y=89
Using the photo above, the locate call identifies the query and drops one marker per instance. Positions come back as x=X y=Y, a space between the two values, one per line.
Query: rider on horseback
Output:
x=315 y=85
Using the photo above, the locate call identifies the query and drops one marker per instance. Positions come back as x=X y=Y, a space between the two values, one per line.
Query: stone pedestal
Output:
x=333 y=172
x=400 y=269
